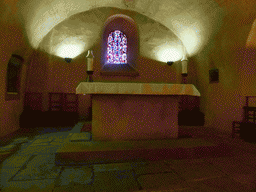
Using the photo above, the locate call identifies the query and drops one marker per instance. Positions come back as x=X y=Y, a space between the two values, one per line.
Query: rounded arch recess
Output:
x=128 y=27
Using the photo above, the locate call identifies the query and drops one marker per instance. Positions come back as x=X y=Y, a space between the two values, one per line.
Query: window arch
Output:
x=117 y=48
x=119 y=58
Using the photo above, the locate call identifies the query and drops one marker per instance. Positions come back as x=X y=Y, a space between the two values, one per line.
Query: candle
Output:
x=89 y=64
x=184 y=64
x=89 y=60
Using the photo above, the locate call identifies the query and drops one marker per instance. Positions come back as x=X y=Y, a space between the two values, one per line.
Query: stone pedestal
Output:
x=134 y=117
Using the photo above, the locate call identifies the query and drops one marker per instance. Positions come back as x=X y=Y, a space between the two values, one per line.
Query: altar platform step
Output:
x=97 y=152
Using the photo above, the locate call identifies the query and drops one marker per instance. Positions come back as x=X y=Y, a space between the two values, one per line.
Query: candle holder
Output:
x=184 y=78
x=184 y=68
x=89 y=76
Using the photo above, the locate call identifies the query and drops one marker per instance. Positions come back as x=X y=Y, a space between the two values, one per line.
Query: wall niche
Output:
x=13 y=78
x=126 y=25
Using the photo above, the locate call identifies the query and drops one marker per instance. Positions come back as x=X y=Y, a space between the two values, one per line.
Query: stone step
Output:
x=80 y=137
x=76 y=153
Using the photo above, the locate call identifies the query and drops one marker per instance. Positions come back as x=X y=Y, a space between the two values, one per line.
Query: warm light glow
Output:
x=192 y=39
x=167 y=52
x=69 y=51
x=70 y=48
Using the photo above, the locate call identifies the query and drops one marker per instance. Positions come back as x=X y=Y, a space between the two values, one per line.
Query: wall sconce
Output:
x=170 y=63
x=214 y=75
x=68 y=60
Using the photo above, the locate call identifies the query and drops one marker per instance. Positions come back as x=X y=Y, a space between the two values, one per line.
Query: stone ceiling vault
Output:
x=165 y=26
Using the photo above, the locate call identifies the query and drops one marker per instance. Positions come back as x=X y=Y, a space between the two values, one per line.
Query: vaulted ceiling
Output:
x=168 y=29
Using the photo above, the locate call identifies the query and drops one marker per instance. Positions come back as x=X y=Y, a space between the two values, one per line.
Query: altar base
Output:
x=134 y=117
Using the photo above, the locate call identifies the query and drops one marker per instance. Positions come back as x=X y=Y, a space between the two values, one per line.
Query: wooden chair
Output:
x=55 y=101
x=70 y=102
x=236 y=128
x=63 y=108
x=249 y=116
x=63 y=102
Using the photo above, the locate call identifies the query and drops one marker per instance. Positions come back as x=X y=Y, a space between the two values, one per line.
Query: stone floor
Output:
x=32 y=168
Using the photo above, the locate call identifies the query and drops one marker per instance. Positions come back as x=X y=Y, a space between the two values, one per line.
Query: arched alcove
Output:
x=127 y=26
x=13 y=77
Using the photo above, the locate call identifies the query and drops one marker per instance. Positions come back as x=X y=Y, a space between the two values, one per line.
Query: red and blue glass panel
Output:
x=117 y=48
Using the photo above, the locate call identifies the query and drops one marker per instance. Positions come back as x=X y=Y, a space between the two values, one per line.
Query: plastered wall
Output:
x=222 y=102
x=49 y=73
x=231 y=51
x=12 y=42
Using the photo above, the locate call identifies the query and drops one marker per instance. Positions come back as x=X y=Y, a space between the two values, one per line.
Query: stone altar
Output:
x=135 y=111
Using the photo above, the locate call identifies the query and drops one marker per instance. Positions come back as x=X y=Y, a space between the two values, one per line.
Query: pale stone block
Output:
x=76 y=137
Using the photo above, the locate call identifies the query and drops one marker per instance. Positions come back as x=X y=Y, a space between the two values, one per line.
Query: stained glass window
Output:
x=117 y=48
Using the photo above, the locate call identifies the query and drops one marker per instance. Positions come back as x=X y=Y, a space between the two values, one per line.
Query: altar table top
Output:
x=136 y=88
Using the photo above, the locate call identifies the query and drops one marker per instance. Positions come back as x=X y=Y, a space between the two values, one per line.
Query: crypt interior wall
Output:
x=13 y=41
x=222 y=102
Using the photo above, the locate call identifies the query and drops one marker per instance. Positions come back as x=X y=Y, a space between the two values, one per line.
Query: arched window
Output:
x=120 y=46
x=117 y=48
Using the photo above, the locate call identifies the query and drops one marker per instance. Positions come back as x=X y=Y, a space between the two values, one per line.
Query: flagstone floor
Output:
x=32 y=168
